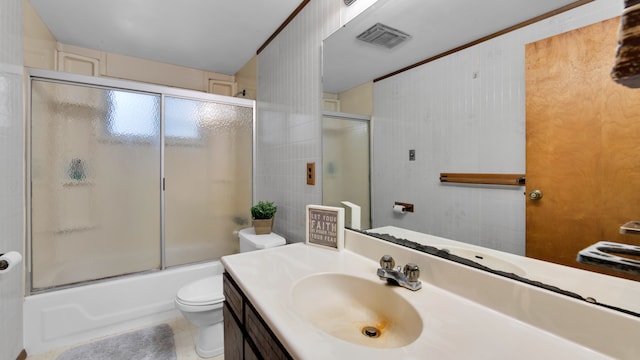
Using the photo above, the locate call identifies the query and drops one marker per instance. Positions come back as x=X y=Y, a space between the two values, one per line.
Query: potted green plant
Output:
x=262 y=214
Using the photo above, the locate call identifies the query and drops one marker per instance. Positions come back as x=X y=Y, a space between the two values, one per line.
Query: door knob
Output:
x=535 y=195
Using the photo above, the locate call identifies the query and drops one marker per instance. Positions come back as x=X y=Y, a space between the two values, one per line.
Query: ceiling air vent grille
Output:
x=383 y=35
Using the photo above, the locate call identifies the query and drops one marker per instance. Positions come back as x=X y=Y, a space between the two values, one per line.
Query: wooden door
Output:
x=583 y=146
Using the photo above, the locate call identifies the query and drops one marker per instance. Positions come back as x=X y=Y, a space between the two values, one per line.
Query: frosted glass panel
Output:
x=208 y=170
x=345 y=164
x=132 y=115
x=95 y=169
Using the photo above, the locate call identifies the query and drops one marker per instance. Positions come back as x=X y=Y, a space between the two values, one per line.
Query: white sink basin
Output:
x=487 y=260
x=357 y=310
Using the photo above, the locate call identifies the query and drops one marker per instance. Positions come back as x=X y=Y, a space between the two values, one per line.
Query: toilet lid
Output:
x=265 y=241
x=202 y=292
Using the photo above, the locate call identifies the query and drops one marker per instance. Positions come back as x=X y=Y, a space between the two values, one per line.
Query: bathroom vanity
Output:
x=246 y=335
x=308 y=302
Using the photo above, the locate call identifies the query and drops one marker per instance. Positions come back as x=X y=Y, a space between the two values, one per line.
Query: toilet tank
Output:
x=249 y=241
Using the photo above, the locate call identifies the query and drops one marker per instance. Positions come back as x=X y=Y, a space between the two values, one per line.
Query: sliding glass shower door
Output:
x=126 y=181
x=95 y=170
x=208 y=188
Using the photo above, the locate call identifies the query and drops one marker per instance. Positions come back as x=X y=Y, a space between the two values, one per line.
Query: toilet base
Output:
x=210 y=341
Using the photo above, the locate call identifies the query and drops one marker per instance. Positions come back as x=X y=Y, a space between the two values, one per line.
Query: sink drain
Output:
x=370 y=331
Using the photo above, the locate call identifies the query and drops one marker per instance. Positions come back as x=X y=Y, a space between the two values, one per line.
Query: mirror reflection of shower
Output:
x=346 y=163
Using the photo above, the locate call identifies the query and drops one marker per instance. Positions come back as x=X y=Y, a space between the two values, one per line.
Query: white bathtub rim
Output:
x=79 y=314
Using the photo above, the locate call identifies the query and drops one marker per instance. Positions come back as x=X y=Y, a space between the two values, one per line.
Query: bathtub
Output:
x=69 y=316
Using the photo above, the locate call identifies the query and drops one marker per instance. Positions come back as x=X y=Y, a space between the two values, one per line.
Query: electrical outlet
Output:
x=412 y=155
x=311 y=173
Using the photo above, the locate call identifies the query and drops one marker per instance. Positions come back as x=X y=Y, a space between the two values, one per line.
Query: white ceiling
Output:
x=215 y=35
x=436 y=26
x=222 y=35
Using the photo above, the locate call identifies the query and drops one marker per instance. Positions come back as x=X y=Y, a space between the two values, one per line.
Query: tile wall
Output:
x=288 y=128
x=462 y=113
x=11 y=170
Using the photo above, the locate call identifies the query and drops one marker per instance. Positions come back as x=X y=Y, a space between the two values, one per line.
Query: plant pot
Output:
x=263 y=226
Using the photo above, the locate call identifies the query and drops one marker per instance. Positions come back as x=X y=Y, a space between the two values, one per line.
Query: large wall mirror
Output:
x=466 y=108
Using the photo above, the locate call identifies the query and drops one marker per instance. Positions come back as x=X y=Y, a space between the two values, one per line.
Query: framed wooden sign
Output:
x=325 y=226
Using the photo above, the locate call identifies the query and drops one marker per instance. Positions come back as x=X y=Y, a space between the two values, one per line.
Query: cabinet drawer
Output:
x=232 y=296
x=262 y=338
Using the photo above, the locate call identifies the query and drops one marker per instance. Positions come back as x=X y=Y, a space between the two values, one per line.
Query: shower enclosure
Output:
x=128 y=177
x=346 y=162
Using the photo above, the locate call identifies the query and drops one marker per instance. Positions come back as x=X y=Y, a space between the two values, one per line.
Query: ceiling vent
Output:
x=383 y=35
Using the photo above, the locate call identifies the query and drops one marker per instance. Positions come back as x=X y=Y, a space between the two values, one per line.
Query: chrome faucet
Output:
x=406 y=277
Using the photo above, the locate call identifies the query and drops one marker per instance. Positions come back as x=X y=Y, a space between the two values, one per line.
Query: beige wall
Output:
x=358 y=100
x=43 y=51
x=247 y=78
x=39 y=42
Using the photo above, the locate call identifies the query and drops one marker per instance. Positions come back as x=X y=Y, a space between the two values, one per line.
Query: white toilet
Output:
x=201 y=301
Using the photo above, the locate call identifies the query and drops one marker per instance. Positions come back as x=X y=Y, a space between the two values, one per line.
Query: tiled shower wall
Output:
x=462 y=113
x=11 y=174
x=288 y=116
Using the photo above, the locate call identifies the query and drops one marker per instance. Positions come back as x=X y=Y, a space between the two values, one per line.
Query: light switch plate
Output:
x=311 y=173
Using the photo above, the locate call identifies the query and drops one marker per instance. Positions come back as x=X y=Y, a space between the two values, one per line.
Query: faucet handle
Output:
x=411 y=272
x=387 y=262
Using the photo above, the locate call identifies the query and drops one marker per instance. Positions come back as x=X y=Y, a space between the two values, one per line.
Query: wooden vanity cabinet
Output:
x=246 y=335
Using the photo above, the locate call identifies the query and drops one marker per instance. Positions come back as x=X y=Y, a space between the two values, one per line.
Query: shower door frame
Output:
x=358 y=118
x=116 y=84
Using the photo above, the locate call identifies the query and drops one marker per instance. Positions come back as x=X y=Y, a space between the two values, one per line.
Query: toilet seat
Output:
x=203 y=292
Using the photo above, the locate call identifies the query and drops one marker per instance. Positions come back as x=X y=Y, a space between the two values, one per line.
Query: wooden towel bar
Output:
x=493 y=179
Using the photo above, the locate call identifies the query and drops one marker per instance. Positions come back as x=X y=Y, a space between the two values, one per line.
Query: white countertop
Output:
x=454 y=327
